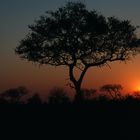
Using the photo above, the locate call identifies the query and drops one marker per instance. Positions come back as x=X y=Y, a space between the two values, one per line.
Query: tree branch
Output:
x=72 y=78
x=82 y=75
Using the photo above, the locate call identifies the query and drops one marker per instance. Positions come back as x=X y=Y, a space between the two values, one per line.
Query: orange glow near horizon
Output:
x=137 y=86
x=16 y=72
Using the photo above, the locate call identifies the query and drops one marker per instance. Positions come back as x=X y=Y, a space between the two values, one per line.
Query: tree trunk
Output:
x=79 y=97
x=77 y=83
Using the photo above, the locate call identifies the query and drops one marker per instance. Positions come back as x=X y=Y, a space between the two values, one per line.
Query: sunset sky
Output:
x=15 y=15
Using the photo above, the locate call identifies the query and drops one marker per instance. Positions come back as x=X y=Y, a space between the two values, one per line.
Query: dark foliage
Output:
x=114 y=90
x=34 y=100
x=13 y=95
x=58 y=96
x=89 y=93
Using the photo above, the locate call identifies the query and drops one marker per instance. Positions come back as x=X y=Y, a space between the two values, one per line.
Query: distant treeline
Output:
x=107 y=93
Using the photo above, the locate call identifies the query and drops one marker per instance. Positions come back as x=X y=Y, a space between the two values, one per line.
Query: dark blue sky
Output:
x=15 y=15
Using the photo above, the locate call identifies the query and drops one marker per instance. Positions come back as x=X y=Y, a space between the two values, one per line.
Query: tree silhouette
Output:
x=14 y=95
x=113 y=90
x=58 y=96
x=88 y=93
x=78 y=38
x=35 y=100
x=136 y=95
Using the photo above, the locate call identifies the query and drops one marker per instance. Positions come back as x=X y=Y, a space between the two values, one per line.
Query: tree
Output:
x=78 y=38
x=35 y=100
x=136 y=95
x=58 y=96
x=113 y=90
x=14 y=95
x=88 y=93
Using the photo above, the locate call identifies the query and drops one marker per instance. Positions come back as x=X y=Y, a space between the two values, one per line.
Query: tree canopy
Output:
x=113 y=89
x=14 y=95
x=79 y=38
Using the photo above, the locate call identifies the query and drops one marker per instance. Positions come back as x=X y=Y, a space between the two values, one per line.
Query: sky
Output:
x=16 y=15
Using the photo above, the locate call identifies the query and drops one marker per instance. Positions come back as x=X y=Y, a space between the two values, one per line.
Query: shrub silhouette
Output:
x=88 y=93
x=58 y=96
x=114 y=90
x=136 y=95
x=14 y=95
x=35 y=100
x=78 y=38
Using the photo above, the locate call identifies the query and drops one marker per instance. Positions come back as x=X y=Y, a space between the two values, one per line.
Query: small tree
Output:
x=114 y=90
x=34 y=100
x=78 y=38
x=88 y=93
x=14 y=95
x=136 y=95
x=58 y=96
